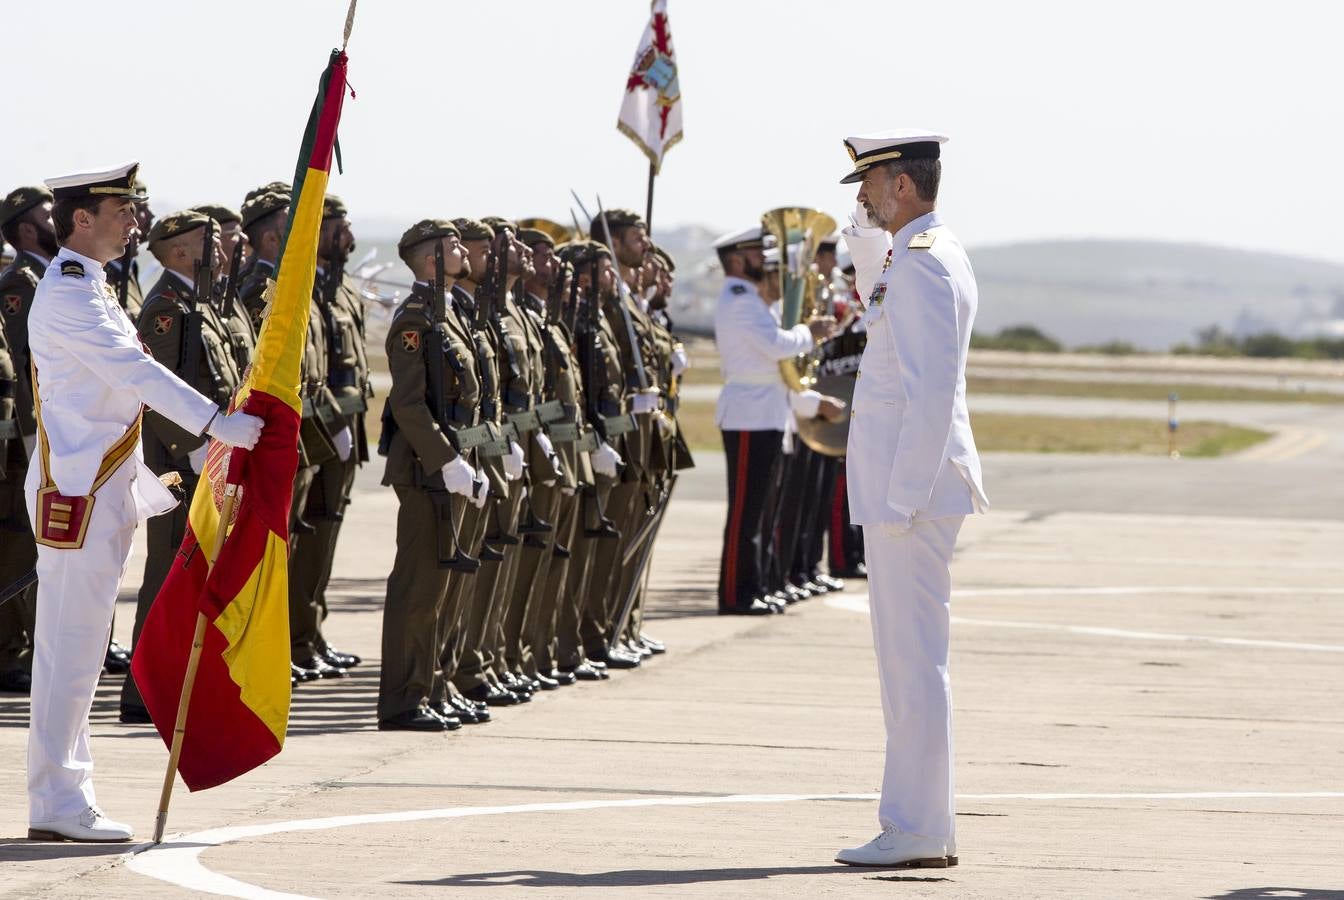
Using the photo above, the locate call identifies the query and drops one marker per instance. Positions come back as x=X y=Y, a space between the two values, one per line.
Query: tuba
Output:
x=557 y=232
x=802 y=288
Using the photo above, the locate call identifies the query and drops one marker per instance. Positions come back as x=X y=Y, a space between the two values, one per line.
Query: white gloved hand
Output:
x=344 y=442
x=513 y=462
x=458 y=476
x=236 y=429
x=680 y=361
x=605 y=460
x=805 y=403
x=544 y=442
x=196 y=458
x=860 y=217
x=548 y=451
x=646 y=401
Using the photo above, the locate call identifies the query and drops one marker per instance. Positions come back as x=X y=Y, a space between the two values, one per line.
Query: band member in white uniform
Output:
x=913 y=476
x=89 y=486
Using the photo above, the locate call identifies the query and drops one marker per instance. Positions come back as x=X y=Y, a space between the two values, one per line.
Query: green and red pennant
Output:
x=239 y=707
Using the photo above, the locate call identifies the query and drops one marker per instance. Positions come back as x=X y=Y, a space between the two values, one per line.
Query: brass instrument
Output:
x=801 y=289
x=557 y=232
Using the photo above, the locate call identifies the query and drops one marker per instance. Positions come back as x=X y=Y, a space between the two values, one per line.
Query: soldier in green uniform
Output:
x=25 y=223
x=237 y=253
x=432 y=408
x=123 y=273
x=263 y=216
x=182 y=330
x=341 y=310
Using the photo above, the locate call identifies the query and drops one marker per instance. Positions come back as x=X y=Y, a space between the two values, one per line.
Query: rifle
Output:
x=442 y=499
x=192 y=351
x=232 y=304
x=605 y=528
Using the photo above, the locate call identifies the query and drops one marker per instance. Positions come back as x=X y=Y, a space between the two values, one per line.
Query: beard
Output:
x=47 y=241
x=752 y=271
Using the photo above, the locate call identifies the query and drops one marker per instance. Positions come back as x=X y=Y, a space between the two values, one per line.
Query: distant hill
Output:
x=1151 y=294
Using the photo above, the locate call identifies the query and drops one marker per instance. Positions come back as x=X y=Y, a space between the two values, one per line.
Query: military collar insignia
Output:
x=72 y=268
x=163 y=324
x=737 y=289
x=13 y=303
x=410 y=341
x=922 y=241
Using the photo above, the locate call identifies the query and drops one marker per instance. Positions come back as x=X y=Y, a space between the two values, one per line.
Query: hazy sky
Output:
x=1218 y=122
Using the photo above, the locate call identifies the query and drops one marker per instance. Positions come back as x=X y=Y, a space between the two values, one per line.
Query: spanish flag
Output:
x=239 y=705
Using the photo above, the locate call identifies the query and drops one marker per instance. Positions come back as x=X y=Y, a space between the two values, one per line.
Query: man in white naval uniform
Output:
x=90 y=485
x=913 y=476
x=752 y=410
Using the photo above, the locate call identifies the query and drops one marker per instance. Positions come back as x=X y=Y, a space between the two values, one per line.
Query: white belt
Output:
x=771 y=377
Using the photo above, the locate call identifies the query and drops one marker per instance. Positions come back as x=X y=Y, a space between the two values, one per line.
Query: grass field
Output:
x=1006 y=432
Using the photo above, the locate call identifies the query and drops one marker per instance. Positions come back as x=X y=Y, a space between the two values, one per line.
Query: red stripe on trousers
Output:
x=838 y=560
x=735 y=521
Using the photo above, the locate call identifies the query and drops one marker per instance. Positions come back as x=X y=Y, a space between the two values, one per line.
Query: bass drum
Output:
x=836 y=371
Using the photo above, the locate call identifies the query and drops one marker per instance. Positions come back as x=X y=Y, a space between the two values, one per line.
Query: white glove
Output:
x=343 y=441
x=513 y=462
x=237 y=429
x=196 y=458
x=860 y=217
x=459 y=476
x=548 y=450
x=805 y=403
x=544 y=442
x=680 y=361
x=646 y=401
x=605 y=460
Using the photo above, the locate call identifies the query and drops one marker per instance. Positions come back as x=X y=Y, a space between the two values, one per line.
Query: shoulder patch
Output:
x=72 y=268
x=163 y=324
x=13 y=304
x=737 y=289
x=410 y=341
x=922 y=241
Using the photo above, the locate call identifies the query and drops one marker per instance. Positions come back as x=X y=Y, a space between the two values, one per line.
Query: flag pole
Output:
x=193 y=663
x=648 y=205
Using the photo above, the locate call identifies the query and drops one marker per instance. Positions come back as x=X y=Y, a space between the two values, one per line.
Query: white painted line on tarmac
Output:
x=860 y=605
x=1149 y=590
x=178 y=861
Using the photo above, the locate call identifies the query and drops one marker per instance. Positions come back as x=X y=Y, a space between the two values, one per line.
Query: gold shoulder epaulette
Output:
x=922 y=241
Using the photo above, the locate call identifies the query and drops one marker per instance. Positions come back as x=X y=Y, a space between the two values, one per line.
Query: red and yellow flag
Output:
x=240 y=703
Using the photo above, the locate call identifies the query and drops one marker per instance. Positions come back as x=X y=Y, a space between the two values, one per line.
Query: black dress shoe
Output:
x=546 y=683
x=585 y=672
x=832 y=584
x=16 y=681
x=465 y=710
x=795 y=594
x=815 y=588
x=858 y=570
x=617 y=659
x=492 y=696
x=655 y=646
x=451 y=720
x=412 y=720
x=333 y=657
x=636 y=648
x=134 y=715
x=117 y=661
x=563 y=679
x=298 y=674
x=757 y=607
x=319 y=665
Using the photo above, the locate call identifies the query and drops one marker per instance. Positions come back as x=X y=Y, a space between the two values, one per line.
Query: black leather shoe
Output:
x=795 y=594
x=134 y=715
x=636 y=648
x=815 y=588
x=585 y=672
x=449 y=716
x=655 y=646
x=546 y=683
x=492 y=696
x=563 y=679
x=333 y=657
x=298 y=674
x=831 y=584
x=117 y=661
x=757 y=607
x=319 y=665
x=412 y=720
x=616 y=659
x=466 y=711
x=16 y=681
x=858 y=570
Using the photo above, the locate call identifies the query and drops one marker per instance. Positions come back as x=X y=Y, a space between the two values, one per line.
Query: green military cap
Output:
x=427 y=230
x=333 y=207
x=614 y=219
x=665 y=257
x=532 y=236
x=118 y=182
x=499 y=223
x=273 y=187
x=175 y=224
x=259 y=206
x=221 y=214
x=474 y=230
x=20 y=200
x=578 y=253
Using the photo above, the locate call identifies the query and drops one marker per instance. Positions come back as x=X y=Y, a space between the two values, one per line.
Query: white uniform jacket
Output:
x=751 y=344
x=911 y=455
x=93 y=375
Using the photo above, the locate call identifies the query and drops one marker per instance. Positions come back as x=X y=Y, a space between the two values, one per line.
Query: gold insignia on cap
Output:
x=853 y=157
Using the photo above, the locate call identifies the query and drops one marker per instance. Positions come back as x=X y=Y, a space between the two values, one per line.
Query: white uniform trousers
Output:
x=76 y=594
x=909 y=590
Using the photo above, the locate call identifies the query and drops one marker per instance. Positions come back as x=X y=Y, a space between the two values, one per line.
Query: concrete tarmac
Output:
x=1148 y=703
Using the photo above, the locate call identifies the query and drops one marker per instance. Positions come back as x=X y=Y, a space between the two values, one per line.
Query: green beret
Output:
x=531 y=237
x=474 y=230
x=175 y=224
x=665 y=257
x=427 y=230
x=221 y=214
x=333 y=207
x=20 y=200
x=499 y=223
x=259 y=206
x=579 y=253
x=616 y=219
x=274 y=187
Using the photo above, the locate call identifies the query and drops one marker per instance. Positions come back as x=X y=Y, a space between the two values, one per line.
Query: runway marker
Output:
x=860 y=605
x=177 y=861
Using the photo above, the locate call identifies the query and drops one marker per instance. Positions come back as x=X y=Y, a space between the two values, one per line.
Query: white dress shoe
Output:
x=896 y=848
x=89 y=826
